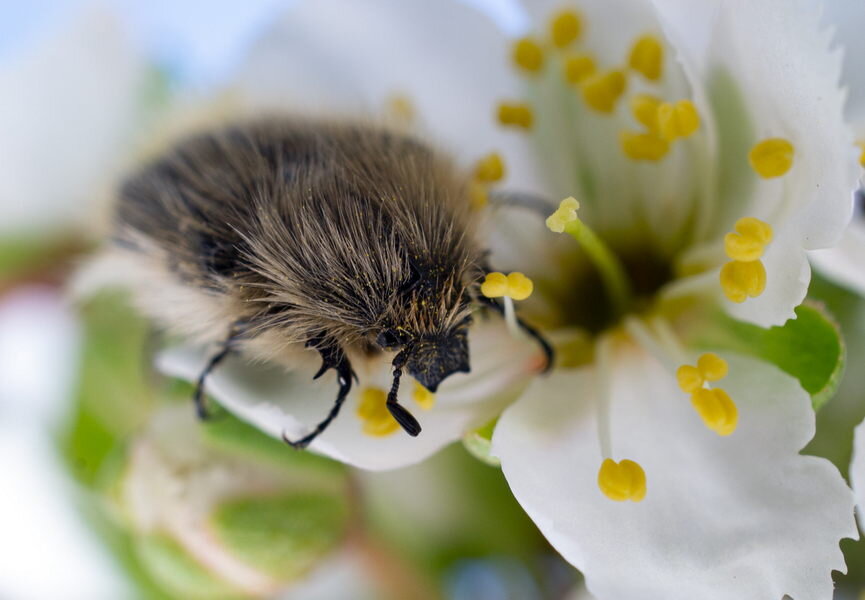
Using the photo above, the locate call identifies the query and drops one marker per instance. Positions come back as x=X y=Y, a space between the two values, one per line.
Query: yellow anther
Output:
x=423 y=397
x=565 y=27
x=717 y=409
x=741 y=280
x=622 y=481
x=528 y=55
x=689 y=378
x=518 y=115
x=400 y=108
x=861 y=145
x=772 y=157
x=372 y=411
x=643 y=146
x=515 y=285
x=678 y=120
x=490 y=168
x=578 y=67
x=602 y=90
x=644 y=107
x=478 y=195
x=712 y=367
x=566 y=213
x=647 y=57
x=749 y=240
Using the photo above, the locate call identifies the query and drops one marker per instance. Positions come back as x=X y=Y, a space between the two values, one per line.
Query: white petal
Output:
x=845 y=263
x=778 y=62
x=68 y=109
x=848 y=17
x=857 y=472
x=743 y=517
x=345 y=58
x=277 y=402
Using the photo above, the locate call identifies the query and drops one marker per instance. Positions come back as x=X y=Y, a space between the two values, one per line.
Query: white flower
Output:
x=845 y=263
x=69 y=108
x=706 y=150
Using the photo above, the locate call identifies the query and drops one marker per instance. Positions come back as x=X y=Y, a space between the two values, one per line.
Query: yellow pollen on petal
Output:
x=861 y=145
x=515 y=114
x=622 y=481
x=602 y=90
x=647 y=57
x=643 y=146
x=741 y=280
x=373 y=413
x=644 y=107
x=712 y=367
x=566 y=213
x=490 y=168
x=578 y=67
x=423 y=397
x=565 y=27
x=515 y=285
x=690 y=378
x=678 y=120
x=749 y=240
x=528 y=55
x=717 y=409
x=772 y=157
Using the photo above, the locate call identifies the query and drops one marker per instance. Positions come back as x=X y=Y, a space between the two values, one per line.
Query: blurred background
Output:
x=84 y=427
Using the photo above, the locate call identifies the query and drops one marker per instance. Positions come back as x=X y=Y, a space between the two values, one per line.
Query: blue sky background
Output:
x=198 y=40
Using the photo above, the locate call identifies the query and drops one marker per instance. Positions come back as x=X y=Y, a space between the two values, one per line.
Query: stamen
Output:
x=643 y=146
x=749 y=240
x=528 y=55
x=373 y=413
x=714 y=405
x=717 y=409
x=516 y=115
x=678 y=120
x=741 y=280
x=603 y=90
x=622 y=481
x=400 y=109
x=478 y=195
x=772 y=157
x=647 y=57
x=644 y=107
x=612 y=272
x=745 y=276
x=490 y=168
x=565 y=28
x=423 y=397
x=578 y=67
x=515 y=285
x=861 y=145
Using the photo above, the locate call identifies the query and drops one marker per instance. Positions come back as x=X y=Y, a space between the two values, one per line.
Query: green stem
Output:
x=611 y=270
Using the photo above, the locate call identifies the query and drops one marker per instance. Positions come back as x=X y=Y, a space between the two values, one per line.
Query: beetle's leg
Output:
x=225 y=349
x=332 y=357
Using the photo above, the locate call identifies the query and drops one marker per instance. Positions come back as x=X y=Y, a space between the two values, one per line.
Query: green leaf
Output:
x=809 y=347
x=179 y=573
x=479 y=443
x=284 y=536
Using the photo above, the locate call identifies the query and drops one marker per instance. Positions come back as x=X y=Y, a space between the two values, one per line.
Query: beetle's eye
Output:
x=389 y=339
